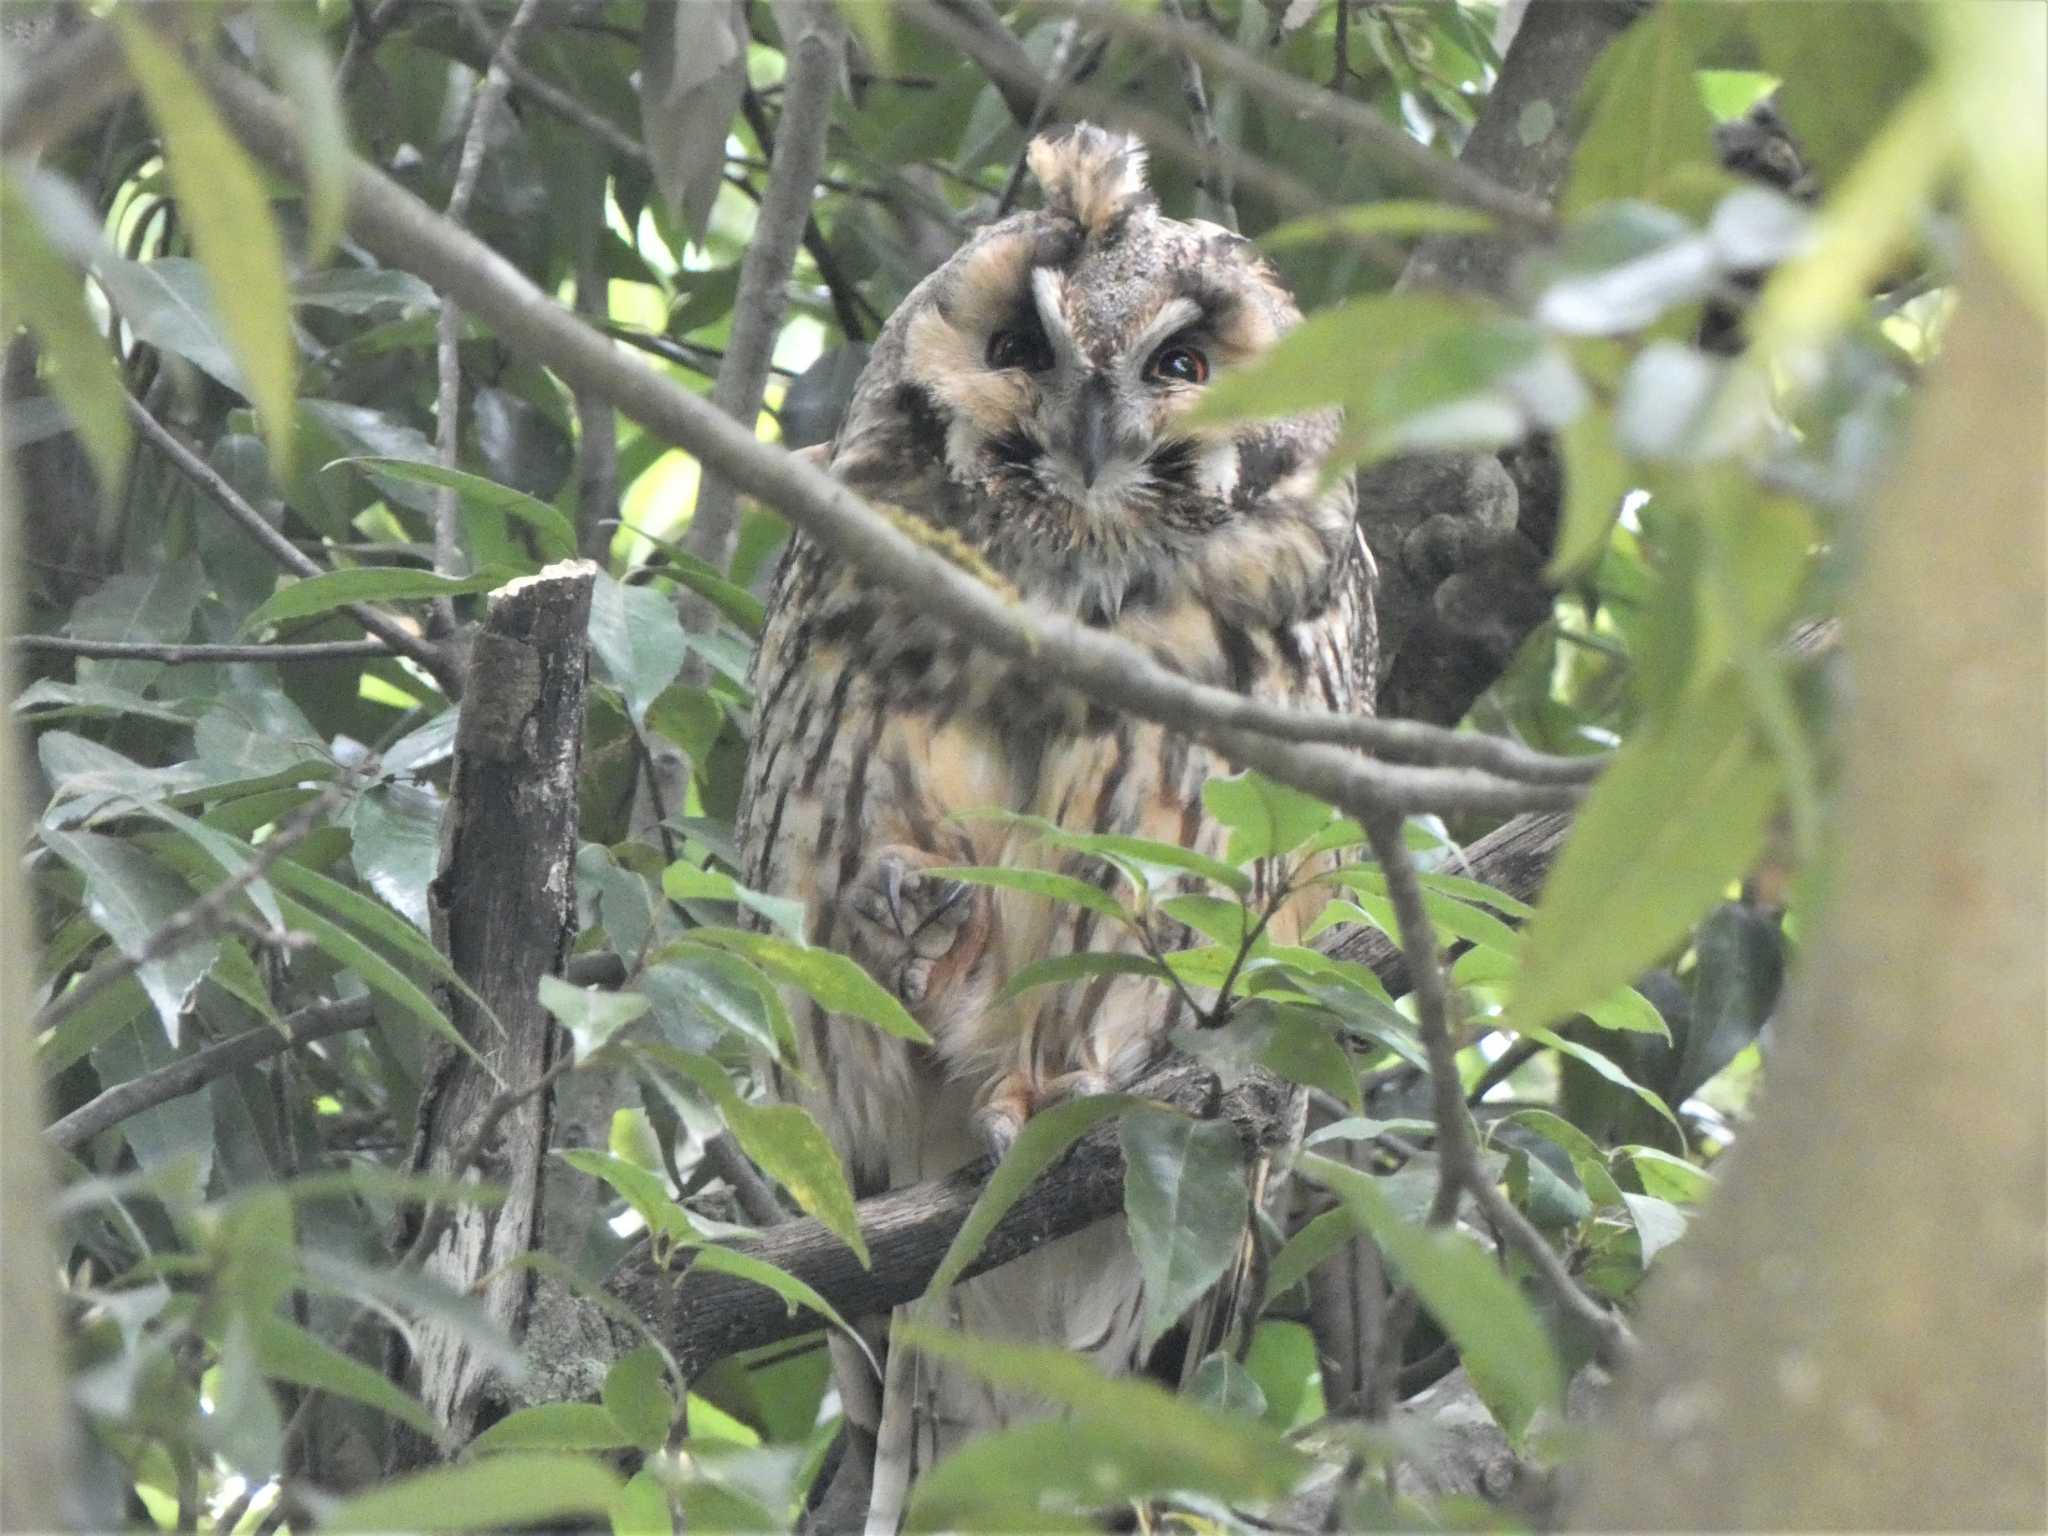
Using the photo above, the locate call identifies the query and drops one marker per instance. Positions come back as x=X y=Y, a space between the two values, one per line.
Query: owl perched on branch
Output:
x=1029 y=400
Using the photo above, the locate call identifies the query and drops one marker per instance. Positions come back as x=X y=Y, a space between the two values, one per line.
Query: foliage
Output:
x=222 y=1246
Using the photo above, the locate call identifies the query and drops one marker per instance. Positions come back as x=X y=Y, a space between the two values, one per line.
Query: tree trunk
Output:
x=504 y=907
x=1855 y=1335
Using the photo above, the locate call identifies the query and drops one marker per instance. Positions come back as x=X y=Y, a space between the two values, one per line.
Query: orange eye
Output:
x=1019 y=349
x=1178 y=364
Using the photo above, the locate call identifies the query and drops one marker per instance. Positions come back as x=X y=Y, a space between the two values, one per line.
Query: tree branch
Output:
x=402 y=231
x=180 y=655
x=814 y=52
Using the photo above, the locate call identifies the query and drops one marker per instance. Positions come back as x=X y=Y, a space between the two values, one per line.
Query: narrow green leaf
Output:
x=43 y=292
x=223 y=201
x=289 y=1353
x=1185 y=1197
x=1317 y=1241
x=834 y=981
x=1679 y=815
x=1587 y=1161
x=1670 y=1178
x=490 y=1494
x=554 y=1427
x=1037 y=882
x=362 y=584
x=642 y=1508
x=1596 y=478
x=797 y=1293
x=590 y=1015
x=1503 y=1346
x=646 y=1192
x=378 y=974
x=558 y=539
x=637 y=641
x=684 y=881
x=1046 y=1135
x=132 y=897
x=1658 y=1223
x=1055 y=969
x=1606 y=1068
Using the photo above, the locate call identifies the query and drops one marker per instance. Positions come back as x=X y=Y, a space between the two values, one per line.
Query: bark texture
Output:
x=504 y=907
x=1855 y=1336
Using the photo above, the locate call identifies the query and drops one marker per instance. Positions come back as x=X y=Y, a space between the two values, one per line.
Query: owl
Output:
x=1029 y=401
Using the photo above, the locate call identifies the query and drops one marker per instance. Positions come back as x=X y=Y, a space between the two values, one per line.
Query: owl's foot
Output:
x=1019 y=1096
x=915 y=923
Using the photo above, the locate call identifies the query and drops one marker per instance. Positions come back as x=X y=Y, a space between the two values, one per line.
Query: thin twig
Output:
x=203 y=918
x=1064 y=59
x=1459 y=1170
x=483 y=107
x=814 y=45
x=755 y=1194
x=281 y=549
x=180 y=655
x=1215 y=179
x=1447 y=179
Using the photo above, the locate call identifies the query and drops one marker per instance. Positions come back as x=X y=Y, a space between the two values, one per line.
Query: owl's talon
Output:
x=912 y=921
x=998 y=1127
x=913 y=980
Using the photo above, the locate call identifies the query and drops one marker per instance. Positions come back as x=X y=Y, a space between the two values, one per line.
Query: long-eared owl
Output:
x=1029 y=399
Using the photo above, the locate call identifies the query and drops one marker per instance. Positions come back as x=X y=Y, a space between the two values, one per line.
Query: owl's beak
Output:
x=1093 y=440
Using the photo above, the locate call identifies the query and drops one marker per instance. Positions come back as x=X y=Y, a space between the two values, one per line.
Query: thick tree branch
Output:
x=400 y=229
x=814 y=52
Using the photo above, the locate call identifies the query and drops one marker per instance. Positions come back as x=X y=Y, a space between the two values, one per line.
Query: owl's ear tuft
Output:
x=1089 y=175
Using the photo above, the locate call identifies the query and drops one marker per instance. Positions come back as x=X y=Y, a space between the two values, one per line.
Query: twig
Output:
x=856 y=316
x=814 y=53
x=1004 y=60
x=597 y=426
x=195 y=922
x=179 y=655
x=1103 y=666
x=1503 y=1067
x=1457 y=1148
x=754 y=1193
x=287 y=554
x=1215 y=179
x=1056 y=79
x=483 y=107
x=1445 y=178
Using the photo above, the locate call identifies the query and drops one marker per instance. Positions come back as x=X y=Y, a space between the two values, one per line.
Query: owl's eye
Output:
x=1019 y=349
x=1178 y=363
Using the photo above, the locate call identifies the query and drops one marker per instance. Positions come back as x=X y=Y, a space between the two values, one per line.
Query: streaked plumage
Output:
x=1024 y=399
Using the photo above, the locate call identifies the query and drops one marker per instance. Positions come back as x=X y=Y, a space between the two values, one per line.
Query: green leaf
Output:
x=287 y=1352
x=554 y=1427
x=1185 y=1197
x=1395 y=216
x=1264 y=818
x=1148 y=861
x=377 y=973
x=1992 y=65
x=1630 y=1011
x=1596 y=478
x=1658 y=1223
x=744 y=1266
x=1046 y=1135
x=395 y=845
x=1605 y=1068
x=1680 y=813
x=362 y=584
x=590 y=1015
x=785 y=1141
x=43 y=292
x=1647 y=119
x=684 y=881
x=642 y=1508
x=132 y=897
x=646 y=1192
x=1121 y=1439
x=1587 y=1161
x=491 y=1494
x=835 y=982
x=557 y=538
x=223 y=202
x=298 y=57
x=1448 y=915
x=1318 y=1240
x=1669 y=1178
x=636 y=1395
x=637 y=640
x=1503 y=1346
x=700 y=577
x=1847 y=64
x=1037 y=882
x=1055 y=969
